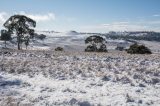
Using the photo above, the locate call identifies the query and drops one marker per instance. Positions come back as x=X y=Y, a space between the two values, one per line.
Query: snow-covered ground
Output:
x=48 y=78
x=74 y=41
x=70 y=41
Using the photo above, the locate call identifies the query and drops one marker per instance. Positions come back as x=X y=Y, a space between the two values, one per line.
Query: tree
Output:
x=5 y=35
x=20 y=25
x=96 y=44
x=26 y=41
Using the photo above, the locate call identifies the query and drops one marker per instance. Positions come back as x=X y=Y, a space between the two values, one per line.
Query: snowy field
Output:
x=47 y=78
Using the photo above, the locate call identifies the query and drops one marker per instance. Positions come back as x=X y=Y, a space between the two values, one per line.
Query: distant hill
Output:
x=143 y=35
x=72 y=33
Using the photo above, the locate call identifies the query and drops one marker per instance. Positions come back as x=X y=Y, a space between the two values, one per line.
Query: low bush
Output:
x=59 y=49
x=119 y=48
x=138 y=49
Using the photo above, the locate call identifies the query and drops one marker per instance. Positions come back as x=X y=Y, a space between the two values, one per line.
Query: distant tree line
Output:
x=148 y=36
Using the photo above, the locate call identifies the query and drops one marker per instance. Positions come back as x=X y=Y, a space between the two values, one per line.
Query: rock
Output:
x=140 y=101
x=125 y=80
x=106 y=78
x=100 y=84
x=155 y=80
x=157 y=74
x=73 y=101
x=12 y=71
x=136 y=76
x=129 y=99
x=142 y=85
x=138 y=90
x=85 y=103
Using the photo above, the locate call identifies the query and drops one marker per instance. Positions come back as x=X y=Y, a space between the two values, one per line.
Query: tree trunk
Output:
x=18 y=41
x=19 y=48
x=5 y=43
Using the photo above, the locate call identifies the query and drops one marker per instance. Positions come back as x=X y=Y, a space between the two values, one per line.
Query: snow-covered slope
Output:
x=74 y=41
x=40 y=78
x=68 y=40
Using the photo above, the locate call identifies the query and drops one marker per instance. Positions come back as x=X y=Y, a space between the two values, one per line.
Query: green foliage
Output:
x=91 y=48
x=20 y=25
x=138 y=49
x=5 y=36
x=94 y=39
x=59 y=49
x=102 y=48
x=96 y=44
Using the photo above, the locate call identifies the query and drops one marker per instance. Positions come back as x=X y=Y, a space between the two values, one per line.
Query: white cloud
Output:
x=156 y=15
x=3 y=16
x=118 y=26
x=37 y=17
x=40 y=17
x=154 y=22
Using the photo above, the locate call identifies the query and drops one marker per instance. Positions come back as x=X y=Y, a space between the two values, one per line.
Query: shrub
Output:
x=119 y=48
x=42 y=36
x=59 y=49
x=138 y=49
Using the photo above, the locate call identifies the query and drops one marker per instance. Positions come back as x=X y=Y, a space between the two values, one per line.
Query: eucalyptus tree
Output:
x=95 y=44
x=22 y=26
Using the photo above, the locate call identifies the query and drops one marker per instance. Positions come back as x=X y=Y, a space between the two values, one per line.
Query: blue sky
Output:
x=86 y=15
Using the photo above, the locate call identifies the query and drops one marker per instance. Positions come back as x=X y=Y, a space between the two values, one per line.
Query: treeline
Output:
x=148 y=36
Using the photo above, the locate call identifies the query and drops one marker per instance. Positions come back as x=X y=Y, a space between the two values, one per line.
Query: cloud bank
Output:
x=124 y=26
x=37 y=17
x=45 y=21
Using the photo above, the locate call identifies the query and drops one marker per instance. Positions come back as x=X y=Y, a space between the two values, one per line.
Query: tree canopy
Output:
x=94 y=39
x=96 y=44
